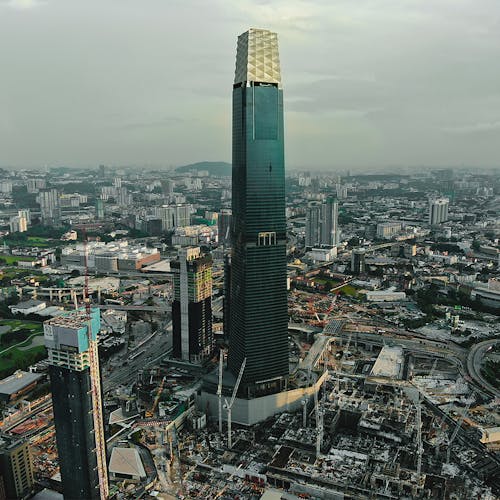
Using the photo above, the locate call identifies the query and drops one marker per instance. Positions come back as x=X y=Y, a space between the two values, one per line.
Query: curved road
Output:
x=474 y=362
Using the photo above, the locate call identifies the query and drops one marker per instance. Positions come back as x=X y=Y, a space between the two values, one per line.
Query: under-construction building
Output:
x=193 y=339
x=71 y=341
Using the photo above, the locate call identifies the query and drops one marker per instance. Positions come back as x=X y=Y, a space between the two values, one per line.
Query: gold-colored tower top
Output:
x=257 y=57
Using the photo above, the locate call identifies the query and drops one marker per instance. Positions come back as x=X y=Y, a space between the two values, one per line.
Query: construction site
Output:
x=392 y=419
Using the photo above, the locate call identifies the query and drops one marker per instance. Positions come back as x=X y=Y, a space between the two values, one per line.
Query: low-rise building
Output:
x=28 y=307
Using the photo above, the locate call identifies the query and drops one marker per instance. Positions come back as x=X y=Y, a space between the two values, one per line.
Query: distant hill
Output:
x=216 y=168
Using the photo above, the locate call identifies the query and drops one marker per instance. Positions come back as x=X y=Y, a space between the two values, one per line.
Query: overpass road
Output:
x=475 y=360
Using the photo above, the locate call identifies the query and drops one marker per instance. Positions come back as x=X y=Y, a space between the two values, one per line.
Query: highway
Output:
x=474 y=362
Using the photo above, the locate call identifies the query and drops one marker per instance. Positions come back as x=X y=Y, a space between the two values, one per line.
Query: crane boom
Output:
x=240 y=375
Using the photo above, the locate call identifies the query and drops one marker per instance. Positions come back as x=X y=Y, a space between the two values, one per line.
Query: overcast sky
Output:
x=367 y=83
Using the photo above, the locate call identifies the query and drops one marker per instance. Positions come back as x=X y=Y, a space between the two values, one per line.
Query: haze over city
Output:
x=368 y=84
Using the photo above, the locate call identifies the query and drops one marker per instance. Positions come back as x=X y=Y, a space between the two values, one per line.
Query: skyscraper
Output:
x=329 y=222
x=50 y=207
x=438 y=210
x=78 y=420
x=258 y=311
x=313 y=224
x=193 y=338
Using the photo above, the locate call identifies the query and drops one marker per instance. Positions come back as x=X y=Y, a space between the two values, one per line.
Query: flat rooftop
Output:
x=389 y=362
x=18 y=381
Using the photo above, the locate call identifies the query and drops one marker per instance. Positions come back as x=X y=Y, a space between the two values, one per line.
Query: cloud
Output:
x=22 y=4
x=473 y=128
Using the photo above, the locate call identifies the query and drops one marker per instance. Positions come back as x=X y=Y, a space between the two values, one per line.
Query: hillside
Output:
x=216 y=168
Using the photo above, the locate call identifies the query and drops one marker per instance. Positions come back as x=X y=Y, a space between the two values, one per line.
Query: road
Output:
x=474 y=362
x=155 y=350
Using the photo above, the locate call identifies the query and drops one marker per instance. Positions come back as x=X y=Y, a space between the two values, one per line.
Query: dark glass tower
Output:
x=258 y=312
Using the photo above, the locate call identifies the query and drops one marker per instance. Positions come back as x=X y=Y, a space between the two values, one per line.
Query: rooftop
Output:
x=18 y=381
x=126 y=461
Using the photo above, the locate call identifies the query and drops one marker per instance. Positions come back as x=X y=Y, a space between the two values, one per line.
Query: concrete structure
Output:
x=259 y=314
x=224 y=225
x=173 y=216
x=126 y=463
x=16 y=467
x=110 y=257
x=28 y=307
x=322 y=254
x=254 y=410
x=70 y=363
x=387 y=230
x=385 y=296
x=487 y=294
x=193 y=338
x=18 y=384
x=438 y=211
x=389 y=363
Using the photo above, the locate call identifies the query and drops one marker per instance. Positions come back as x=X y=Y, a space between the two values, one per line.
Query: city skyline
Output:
x=376 y=84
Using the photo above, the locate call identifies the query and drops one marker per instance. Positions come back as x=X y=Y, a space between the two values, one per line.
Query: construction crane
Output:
x=419 y=436
x=95 y=380
x=229 y=405
x=319 y=424
x=151 y=412
x=457 y=428
x=219 y=388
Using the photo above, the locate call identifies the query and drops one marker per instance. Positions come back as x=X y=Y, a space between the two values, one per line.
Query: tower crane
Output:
x=457 y=428
x=95 y=381
x=229 y=404
x=219 y=388
x=151 y=412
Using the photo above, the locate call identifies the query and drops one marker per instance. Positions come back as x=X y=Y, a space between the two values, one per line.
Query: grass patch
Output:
x=349 y=290
x=10 y=259
x=16 y=359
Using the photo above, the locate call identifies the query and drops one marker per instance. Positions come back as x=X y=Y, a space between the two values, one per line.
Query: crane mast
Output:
x=95 y=381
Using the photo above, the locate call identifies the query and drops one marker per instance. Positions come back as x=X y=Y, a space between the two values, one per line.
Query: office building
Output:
x=313 y=225
x=358 y=265
x=50 y=208
x=329 y=233
x=224 y=225
x=99 y=209
x=259 y=316
x=193 y=339
x=76 y=400
x=438 y=211
x=16 y=467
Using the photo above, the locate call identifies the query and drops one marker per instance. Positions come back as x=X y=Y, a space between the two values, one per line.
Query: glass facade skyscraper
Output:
x=259 y=316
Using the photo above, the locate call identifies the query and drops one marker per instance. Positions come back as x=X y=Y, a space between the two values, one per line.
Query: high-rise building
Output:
x=358 y=264
x=259 y=316
x=16 y=467
x=438 y=210
x=224 y=225
x=193 y=339
x=329 y=232
x=76 y=402
x=34 y=185
x=99 y=209
x=322 y=224
x=50 y=207
x=18 y=224
x=313 y=225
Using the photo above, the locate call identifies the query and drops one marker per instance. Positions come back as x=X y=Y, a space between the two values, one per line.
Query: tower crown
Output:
x=257 y=58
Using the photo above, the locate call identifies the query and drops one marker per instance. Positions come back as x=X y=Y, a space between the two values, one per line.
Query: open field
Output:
x=10 y=259
x=20 y=355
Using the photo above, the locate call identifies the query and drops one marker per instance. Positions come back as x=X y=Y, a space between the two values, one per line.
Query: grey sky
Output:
x=148 y=82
